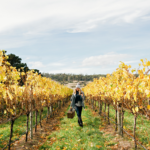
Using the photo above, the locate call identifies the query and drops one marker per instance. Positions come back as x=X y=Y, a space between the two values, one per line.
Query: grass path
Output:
x=61 y=133
x=73 y=137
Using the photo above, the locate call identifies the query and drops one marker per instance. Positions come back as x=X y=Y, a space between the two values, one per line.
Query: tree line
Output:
x=62 y=77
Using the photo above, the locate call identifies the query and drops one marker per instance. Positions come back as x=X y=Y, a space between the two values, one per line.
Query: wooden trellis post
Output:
x=119 y=119
x=11 y=133
x=27 y=130
x=31 y=114
x=108 y=115
x=36 y=114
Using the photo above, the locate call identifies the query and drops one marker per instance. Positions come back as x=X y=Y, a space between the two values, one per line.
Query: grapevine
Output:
x=123 y=90
x=36 y=93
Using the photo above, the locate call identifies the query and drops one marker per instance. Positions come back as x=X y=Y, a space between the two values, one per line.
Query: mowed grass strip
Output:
x=18 y=129
x=73 y=137
x=142 y=125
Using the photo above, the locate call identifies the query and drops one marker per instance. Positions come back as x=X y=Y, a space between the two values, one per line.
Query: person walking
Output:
x=77 y=102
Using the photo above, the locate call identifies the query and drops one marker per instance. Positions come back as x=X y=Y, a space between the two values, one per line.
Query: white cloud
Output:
x=36 y=64
x=131 y=62
x=146 y=18
x=81 y=27
x=83 y=70
x=95 y=64
x=56 y=64
x=72 y=16
x=105 y=60
x=13 y=43
x=27 y=58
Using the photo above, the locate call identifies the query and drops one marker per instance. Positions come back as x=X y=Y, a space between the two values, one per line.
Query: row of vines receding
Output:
x=124 y=91
x=36 y=93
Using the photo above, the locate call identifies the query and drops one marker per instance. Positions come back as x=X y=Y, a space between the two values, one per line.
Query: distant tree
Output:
x=36 y=70
x=15 y=61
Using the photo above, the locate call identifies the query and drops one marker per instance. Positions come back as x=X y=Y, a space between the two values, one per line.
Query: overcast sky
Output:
x=76 y=36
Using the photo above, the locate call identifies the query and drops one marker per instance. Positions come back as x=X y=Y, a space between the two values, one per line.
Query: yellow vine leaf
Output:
x=12 y=111
x=135 y=98
x=141 y=107
x=22 y=73
x=98 y=146
x=136 y=109
x=133 y=110
x=148 y=107
x=148 y=95
x=5 y=111
x=129 y=66
x=10 y=96
x=148 y=63
x=133 y=70
x=141 y=60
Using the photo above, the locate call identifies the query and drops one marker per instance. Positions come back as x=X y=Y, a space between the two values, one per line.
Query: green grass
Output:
x=18 y=129
x=72 y=136
x=143 y=125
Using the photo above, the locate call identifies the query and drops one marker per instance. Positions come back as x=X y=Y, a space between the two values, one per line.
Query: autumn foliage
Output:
x=15 y=100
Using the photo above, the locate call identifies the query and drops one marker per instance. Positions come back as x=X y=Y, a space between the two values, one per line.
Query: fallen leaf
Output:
x=98 y=146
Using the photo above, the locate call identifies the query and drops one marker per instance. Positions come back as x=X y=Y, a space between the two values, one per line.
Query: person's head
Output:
x=78 y=87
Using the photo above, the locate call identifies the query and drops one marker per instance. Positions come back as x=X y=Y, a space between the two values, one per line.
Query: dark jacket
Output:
x=73 y=97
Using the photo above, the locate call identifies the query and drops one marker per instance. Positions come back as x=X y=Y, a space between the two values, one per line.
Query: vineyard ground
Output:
x=94 y=135
x=142 y=129
x=19 y=128
x=143 y=124
x=63 y=133
x=41 y=135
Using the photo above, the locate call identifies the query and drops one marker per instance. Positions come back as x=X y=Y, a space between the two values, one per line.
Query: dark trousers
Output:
x=79 y=111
